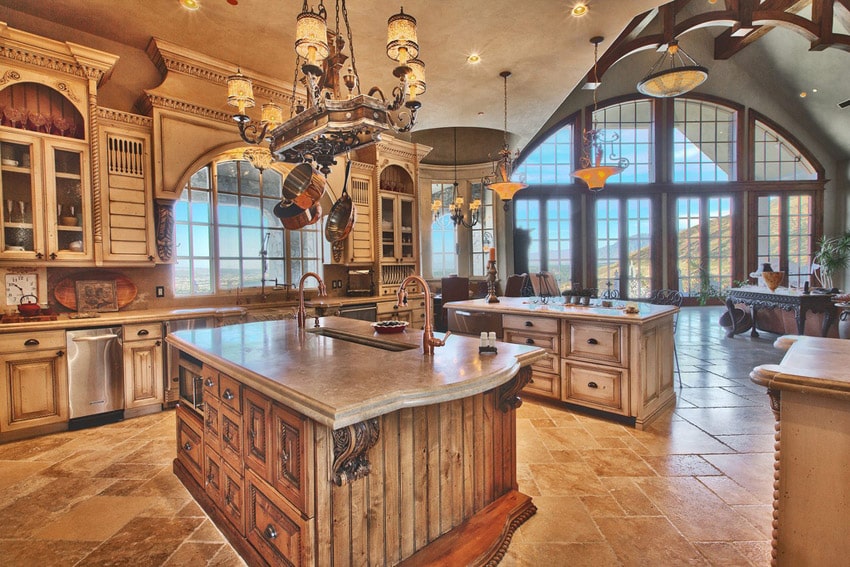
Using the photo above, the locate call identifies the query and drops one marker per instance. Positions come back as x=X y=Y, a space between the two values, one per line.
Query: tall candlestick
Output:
x=492 y=254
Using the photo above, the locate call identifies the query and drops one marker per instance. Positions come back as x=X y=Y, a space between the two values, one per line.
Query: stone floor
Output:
x=693 y=489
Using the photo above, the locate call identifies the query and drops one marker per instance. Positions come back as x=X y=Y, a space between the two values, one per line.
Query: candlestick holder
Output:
x=491 y=282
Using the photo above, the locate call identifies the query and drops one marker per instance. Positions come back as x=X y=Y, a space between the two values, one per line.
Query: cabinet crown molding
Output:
x=64 y=57
x=171 y=57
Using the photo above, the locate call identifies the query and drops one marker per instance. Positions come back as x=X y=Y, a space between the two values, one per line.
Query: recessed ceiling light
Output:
x=814 y=90
x=190 y=4
x=579 y=10
x=803 y=94
x=473 y=58
x=480 y=113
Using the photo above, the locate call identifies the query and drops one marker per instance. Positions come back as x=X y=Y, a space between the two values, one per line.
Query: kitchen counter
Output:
x=316 y=376
x=312 y=449
x=810 y=397
x=600 y=358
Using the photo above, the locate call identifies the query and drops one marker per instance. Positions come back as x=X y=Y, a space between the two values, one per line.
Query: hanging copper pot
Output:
x=342 y=214
x=296 y=184
x=314 y=191
x=294 y=217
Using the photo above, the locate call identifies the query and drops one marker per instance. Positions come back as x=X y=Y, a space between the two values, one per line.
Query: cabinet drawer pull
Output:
x=143 y=333
x=592 y=342
x=187 y=446
x=529 y=341
x=31 y=342
x=529 y=324
x=209 y=382
x=270 y=532
x=228 y=395
x=158 y=343
x=60 y=353
x=593 y=385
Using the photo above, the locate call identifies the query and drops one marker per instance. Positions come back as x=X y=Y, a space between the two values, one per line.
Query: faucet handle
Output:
x=442 y=342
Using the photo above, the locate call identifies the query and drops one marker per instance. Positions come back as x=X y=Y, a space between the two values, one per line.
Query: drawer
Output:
x=551 y=364
x=273 y=526
x=594 y=386
x=22 y=342
x=535 y=324
x=595 y=341
x=545 y=385
x=212 y=423
x=549 y=342
x=384 y=307
x=142 y=332
x=230 y=392
x=190 y=448
x=231 y=437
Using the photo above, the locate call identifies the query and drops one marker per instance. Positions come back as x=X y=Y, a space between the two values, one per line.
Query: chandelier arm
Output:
x=251 y=132
x=398 y=98
x=403 y=121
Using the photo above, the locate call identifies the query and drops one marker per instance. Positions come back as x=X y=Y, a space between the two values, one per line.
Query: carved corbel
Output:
x=351 y=444
x=509 y=393
x=165 y=230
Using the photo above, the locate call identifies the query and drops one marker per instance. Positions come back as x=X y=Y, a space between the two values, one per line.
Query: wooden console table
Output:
x=762 y=298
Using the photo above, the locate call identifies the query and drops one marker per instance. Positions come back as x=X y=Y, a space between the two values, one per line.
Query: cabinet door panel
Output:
x=143 y=373
x=257 y=419
x=233 y=497
x=190 y=446
x=273 y=526
x=231 y=437
x=289 y=447
x=34 y=390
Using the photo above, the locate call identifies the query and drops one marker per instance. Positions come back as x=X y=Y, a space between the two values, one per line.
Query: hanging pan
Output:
x=342 y=213
x=293 y=217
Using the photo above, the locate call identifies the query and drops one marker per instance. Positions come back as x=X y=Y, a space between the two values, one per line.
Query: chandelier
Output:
x=503 y=167
x=456 y=212
x=333 y=122
x=683 y=75
x=593 y=172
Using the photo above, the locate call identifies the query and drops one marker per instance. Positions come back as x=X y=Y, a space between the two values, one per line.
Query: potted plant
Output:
x=832 y=257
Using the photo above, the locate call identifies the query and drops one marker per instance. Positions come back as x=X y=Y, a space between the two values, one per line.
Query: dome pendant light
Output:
x=683 y=75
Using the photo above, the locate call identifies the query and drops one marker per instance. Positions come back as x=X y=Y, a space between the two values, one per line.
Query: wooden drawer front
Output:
x=233 y=497
x=142 y=332
x=273 y=526
x=595 y=341
x=231 y=437
x=549 y=342
x=594 y=386
x=534 y=324
x=544 y=384
x=22 y=342
x=212 y=423
x=212 y=474
x=210 y=380
x=291 y=433
x=551 y=364
x=190 y=450
x=230 y=392
x=257 y=420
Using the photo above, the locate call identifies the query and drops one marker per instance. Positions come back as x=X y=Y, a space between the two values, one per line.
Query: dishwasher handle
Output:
x=95 y=338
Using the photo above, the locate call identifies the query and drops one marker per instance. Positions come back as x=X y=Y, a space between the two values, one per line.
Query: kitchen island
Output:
x=334 y=445
x=600 y=358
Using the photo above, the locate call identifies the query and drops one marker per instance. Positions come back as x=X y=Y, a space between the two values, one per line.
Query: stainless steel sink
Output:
x=361 y=340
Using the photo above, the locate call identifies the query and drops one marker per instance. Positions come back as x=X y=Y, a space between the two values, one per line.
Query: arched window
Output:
x=628 y=130
x=228 y=237
x=777 y=159
x=704 y=146
x=551 y=162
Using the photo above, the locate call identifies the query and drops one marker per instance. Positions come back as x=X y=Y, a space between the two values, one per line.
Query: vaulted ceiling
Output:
x=546 y=49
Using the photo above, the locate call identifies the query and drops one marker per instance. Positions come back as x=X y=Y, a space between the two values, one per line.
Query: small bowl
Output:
x=75 y=246
x=11 y=162
x=29 y=309
x=68 y=221
x=388 y=327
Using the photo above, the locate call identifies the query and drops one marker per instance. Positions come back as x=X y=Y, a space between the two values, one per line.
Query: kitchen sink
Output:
x=361 y=340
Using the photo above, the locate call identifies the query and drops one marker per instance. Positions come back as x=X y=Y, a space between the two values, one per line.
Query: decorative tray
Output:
x=387 y=327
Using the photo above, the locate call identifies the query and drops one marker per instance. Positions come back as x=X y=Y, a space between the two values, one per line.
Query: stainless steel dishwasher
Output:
x=95 y=376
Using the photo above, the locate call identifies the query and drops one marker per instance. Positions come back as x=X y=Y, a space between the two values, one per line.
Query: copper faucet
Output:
x=302 y=312
x=428 y=339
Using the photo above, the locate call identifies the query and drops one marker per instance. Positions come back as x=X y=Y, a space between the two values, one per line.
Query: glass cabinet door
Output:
x=21 y=211
x=69 y=203
x=405 y=227
x=388 y=227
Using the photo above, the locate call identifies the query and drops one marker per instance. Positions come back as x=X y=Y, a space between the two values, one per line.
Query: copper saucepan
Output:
x=294 y=217
x=297 y=184
x=341 y=217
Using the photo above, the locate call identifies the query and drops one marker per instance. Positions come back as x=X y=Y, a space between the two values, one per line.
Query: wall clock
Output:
x=19 y=285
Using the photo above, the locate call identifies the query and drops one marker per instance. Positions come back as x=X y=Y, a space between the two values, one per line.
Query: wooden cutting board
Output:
x=65 y=291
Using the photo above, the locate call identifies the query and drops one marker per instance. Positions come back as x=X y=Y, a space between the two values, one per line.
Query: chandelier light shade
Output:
x=501 y=182
x=674 y=73
x=240 y=93
x=402 y=43
x=311 y=36
x=592 y=171
x=332 y=122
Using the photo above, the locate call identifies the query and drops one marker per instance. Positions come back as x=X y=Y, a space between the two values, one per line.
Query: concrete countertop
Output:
x=337 y=382
x=813 y=365
x=526 y=306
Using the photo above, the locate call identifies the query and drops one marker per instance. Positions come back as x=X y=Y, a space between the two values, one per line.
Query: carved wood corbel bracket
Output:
x=509 y=393
x=351 y=444
x=165 y=230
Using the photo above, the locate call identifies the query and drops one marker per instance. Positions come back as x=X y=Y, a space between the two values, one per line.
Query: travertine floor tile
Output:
x=559 y=519
x=642 y=541
x=95 y=519
x=560 y=555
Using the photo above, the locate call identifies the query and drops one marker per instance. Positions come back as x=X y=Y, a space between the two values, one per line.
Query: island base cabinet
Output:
x=274 y=527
